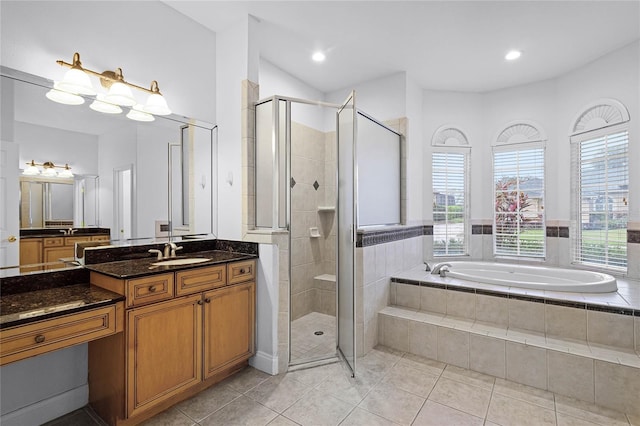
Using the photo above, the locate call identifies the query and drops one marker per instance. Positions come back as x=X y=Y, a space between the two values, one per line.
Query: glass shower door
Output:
x=346 y=238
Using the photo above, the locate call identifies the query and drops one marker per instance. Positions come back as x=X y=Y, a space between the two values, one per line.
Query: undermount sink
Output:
x=174 y=262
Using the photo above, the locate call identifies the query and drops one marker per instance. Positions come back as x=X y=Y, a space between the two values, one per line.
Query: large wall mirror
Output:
x=124 y=171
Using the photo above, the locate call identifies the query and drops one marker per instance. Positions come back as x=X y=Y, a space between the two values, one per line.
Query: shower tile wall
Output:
x=313 y=170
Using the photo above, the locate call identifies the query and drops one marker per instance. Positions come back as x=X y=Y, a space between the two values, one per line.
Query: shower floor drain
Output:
x=318 y=333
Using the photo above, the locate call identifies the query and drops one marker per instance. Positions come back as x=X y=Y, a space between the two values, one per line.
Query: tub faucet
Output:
x=441 y=269
x=427 y=267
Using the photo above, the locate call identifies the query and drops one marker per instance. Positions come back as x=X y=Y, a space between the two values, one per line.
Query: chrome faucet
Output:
x=170 y=250
x=441 y=269
x=156 y=251
x=427 y=267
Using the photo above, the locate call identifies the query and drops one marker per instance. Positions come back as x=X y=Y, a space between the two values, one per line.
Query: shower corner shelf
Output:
x=326 y=209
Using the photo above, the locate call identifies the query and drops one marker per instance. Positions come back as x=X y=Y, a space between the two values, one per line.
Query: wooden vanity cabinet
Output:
x=202 y=331
x=31 y=254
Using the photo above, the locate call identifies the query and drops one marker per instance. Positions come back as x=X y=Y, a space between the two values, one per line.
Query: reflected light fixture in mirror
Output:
x=137 y=114
x=77 y=82
x=48 y=170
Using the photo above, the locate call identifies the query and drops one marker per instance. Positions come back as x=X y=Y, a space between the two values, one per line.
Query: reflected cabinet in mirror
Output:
x=68 y=170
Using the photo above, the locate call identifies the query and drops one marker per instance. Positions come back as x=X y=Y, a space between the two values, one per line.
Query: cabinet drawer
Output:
x=238 y=272
x=201 y=279
x=141 y=291
x=44 y=336
x=71 y=241
x=54 y=242
x=101 y=238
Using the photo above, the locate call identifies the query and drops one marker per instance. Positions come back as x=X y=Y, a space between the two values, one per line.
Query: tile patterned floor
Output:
x=305 y=344
x=392 y=388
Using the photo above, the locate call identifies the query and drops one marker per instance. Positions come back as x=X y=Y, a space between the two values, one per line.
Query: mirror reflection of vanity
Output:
x=130 y=178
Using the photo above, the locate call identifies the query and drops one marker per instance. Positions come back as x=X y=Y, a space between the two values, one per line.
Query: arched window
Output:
x=600 y=175
x=519 y=190
x=450 y=170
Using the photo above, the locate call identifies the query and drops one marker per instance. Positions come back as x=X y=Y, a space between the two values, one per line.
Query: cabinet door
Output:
x=54 y=254
x=164 y=351
x=30 y=253
x=229 y=326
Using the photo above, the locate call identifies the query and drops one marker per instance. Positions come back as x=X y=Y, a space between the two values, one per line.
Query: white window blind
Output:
x=450 y=221
x=518 y=177
x=603 y=192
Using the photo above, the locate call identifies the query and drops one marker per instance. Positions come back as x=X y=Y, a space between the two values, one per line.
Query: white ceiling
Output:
x=443 y=45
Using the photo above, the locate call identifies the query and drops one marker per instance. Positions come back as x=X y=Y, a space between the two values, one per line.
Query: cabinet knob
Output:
x=242 y=271
x=207 y=300
x=152 y=289
x=39 y=338
x=199 y=302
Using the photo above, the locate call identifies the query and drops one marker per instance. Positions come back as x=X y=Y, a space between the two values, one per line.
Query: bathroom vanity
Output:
x=157 y=332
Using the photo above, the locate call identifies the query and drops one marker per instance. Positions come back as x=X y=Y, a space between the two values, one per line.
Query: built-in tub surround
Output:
x=586 y=346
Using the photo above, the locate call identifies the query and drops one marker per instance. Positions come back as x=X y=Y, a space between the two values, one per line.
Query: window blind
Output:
x=450 y=222
x=518 y=177
x=603 y=192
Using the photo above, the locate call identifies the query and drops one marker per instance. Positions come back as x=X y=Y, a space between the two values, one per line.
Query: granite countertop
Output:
x=22 y=308
x=124 y=269
x=27 y=233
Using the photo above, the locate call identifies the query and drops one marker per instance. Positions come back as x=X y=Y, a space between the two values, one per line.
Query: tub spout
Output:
x=441 y=269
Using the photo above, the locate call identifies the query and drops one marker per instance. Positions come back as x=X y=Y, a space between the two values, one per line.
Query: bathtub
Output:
x=524 y=276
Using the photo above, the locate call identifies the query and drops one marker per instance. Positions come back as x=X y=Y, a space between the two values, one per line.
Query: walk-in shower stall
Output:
x=306 y=182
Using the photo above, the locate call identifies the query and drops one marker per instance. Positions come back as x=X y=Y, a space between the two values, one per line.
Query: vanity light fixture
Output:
x=136 y=113
x=48 y=170
x=76 y=82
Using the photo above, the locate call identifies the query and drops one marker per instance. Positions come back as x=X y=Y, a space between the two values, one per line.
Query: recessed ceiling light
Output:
x=318 y=57
x=513 y=55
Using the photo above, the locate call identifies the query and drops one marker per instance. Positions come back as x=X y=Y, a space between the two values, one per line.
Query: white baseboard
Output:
x=48 y=409
x=264 y=362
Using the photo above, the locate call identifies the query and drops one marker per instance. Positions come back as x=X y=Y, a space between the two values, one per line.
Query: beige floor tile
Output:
x=471 y=399
x=278 y=393
x=318 y=408
x=434 y=414
x=314 y=376
x=360 y=417
x=392 y=403
x=567 y=420
x=208 y=401
x=508 y=411
x=246 y=379
x=421 y=363
x=282 y=421
x=411 y=380
x=525 y=393
x=378 y=361
x=590 y=412
x=633 y=419
x=469 y=376
x=350 y=389
x=170 y=417
x=241 y=411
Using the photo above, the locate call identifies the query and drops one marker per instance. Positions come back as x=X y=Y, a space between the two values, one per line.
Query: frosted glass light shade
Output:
x=156 y=104
x=120 y=94
x=77 y=82
x=101 y=106
x=49 y=172
x=66 y=173
x=32 y=170
x=64 y=97
x=137 y=114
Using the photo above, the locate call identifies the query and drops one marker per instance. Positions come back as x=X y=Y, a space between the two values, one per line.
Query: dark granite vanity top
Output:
x=26 y=233
x=124 y=269
x=31 y=306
